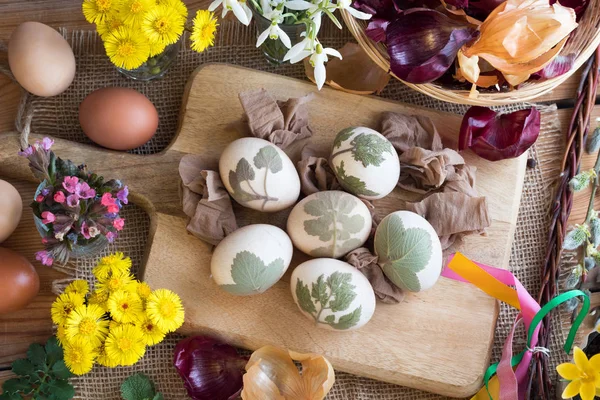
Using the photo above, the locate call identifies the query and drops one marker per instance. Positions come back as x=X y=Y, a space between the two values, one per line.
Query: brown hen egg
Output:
x=41 y=59
x=11 y=208
x=118 y=118
x=19 y=282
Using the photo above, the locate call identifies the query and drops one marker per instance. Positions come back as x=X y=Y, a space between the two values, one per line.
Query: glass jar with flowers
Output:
x=141 y=36
x=75 y=211
x=288 y=29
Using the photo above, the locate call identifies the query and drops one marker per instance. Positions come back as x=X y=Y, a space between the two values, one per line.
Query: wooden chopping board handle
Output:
x=153 y=180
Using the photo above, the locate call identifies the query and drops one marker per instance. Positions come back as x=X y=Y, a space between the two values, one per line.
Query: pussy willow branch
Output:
x=541 y=383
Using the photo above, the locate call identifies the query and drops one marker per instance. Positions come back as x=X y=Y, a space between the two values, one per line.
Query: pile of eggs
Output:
x=325 y=225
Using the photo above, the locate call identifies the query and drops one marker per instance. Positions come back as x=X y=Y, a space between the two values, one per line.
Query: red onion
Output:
x=210 y=369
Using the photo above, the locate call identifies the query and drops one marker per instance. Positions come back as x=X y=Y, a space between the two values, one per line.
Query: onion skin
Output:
x=423 y=43
x=210 y=369
x=496 y=136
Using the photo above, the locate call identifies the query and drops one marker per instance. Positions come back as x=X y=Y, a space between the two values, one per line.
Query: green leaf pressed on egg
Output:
x=402 y=252
x=251 y=275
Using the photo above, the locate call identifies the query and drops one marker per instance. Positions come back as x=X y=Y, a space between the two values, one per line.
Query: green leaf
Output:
x=61 y=389
x=402 y=252
x=268 y=158
x=137 y=387
x=251 y=275
x=23 y=367
x=60 y=370
x=319 y=290
x=37 y=355
x=303 y=296
x=54 y=351
x=10 y=396
x=244 y=170
x=351 y=183
x=16 y=385
x=342 y=291
x=330 y=319
x=158 y=396
x=368 y=148
x=334 y=224
x=576 y=237
x=347 y=321
x=342 y=137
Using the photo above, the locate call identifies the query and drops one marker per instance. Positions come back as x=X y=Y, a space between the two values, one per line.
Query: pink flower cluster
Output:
x=76 y=207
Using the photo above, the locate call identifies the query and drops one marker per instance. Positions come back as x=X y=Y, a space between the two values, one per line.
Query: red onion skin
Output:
x=423 y=43
x=496 y=136
x=210 y=369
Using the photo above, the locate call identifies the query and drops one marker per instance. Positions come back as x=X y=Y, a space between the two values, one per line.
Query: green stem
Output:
x=318 y=316
x=348 y=150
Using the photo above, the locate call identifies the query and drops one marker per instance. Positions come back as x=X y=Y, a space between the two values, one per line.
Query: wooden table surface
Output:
x=17 y=331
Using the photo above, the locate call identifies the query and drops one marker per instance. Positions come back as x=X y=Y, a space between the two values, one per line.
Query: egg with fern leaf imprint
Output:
x=365 y=162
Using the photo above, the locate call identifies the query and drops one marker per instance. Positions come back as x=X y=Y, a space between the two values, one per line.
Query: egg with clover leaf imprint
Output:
x=409 y=251
x=329 y=224
x=259 y=175
x=251 y=259
x=365 y=162
x=333 y=294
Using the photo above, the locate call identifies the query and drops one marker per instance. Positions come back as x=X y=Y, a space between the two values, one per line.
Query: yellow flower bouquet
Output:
x=140 y=35
x=113 y=324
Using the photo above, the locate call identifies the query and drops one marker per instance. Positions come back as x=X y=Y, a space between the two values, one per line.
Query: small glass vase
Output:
x=90 y=248
x=155 y=67
x=275 y=50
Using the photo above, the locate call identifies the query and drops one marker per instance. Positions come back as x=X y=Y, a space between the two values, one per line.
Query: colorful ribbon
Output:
x=502 y=382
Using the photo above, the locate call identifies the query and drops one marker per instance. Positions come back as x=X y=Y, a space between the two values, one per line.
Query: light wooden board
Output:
x=438 y=341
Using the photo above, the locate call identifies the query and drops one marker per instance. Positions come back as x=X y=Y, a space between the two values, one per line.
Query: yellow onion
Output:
x=272 y=374
x=518 y=38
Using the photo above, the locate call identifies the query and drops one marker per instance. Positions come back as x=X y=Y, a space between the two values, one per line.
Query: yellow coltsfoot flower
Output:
x=165 y=310
x=203 y=32
x=79 y=356
x=115 y=263
x=87 y=323
x=125 y=307
x=96 y=11
x=162 y=25
x=79 y=286
x=584 y=375
x=64 y=305
x=125 y=345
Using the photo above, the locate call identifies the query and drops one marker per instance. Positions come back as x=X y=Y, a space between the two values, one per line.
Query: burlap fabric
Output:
x=235 y=44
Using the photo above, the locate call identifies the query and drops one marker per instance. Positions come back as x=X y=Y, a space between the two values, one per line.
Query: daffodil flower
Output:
x=584 y=375
x=345 y=5
x=240 y=9
x=318 y=60
x=274 y=32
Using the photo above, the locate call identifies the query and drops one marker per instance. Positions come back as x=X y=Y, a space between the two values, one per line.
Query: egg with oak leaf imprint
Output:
x=365 y=163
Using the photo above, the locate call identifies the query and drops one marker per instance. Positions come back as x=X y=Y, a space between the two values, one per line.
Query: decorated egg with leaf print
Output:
x=259 y=175
x=365 y=162
x=333 y=294
x=251 y=259
x=409 y=251
x=329 y=224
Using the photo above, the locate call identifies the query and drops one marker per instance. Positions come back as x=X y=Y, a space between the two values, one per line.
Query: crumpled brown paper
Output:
x=453 y=215
x=363 y=260
x=280 y=122
x=452 y=205
x=206 y=201
x=315 y=173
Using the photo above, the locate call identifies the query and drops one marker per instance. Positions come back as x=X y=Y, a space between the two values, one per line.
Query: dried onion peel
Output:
x=271 y=374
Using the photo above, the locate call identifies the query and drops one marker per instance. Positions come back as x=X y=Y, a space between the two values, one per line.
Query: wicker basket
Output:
x=583 y=42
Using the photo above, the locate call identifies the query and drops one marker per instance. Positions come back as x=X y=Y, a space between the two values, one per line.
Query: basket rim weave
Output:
x=584 y=41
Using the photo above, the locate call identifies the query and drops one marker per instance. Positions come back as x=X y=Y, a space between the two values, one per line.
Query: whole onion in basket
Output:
x=210 y=369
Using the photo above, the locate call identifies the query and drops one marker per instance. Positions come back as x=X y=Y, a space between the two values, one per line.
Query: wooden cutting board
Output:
x=439 y=340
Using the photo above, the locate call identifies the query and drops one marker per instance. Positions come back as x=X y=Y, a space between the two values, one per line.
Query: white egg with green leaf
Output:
x=259 y=175
x=329 y=224
x=333 y=294
x=365 y=162
x=409 y=251
x=251 y=259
